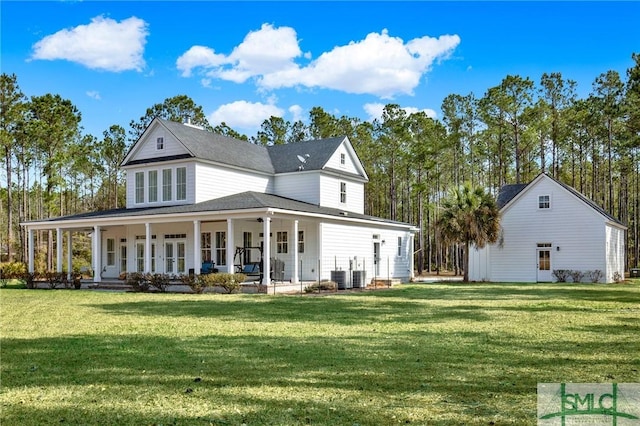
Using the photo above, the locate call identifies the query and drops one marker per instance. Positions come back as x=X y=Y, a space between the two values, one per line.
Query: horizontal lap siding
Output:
x=303 y=186
x=330 y=194
x=213 y=182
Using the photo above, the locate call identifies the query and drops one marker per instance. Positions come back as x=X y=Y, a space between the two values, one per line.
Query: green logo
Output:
x=588 y=403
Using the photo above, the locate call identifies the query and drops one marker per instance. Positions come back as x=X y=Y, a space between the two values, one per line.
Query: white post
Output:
x=266 y=251
x=230 y=247
x=69 y=255
x=147 y=248
x=31 y=251
x=411 y=262
x=197 y=256
x=59 y=250
x=97 y=254
x=294 y=278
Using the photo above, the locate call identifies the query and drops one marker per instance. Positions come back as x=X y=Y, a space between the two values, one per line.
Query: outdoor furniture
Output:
x=208 y=268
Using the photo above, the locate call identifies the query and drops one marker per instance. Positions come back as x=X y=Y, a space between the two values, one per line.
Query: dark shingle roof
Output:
x=508 y=192
x=243 y=201
x=285 y=157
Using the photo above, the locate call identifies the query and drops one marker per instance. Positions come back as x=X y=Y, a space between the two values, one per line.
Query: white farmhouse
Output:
x=547 y=226
x=195 y=198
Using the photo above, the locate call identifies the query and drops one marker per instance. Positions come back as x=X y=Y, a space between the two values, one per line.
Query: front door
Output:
x=174 y=255
x=544 y=264
x=376 y=258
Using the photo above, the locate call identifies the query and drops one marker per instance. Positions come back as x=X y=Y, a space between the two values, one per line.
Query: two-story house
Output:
x=195 y=197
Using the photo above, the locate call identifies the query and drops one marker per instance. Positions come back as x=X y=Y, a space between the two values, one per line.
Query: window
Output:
x=399 y=246
x=544 y=202
x=181 y=183
x=160 y=143
x=140 y=257
x=139 y=187
x=111 y=252
x=166 y=185
x=205 y=246
x=300 y=241
x=342 y=159
x=343 y=192
x=282 y=243
x=153 y=186
x=221 y=248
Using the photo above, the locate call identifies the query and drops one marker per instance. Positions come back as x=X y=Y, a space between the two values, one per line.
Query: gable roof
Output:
x=508 y=193
x=217 y=148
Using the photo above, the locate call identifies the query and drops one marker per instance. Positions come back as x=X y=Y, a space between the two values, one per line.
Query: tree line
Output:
x=509 y=134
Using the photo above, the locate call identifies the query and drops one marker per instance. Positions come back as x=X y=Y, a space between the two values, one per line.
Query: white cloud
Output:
x=104 y=44
x=374 y=111
x=94 y=95
x=243 y=114
x=198 y=56
x=296 y=113
x=379 y=64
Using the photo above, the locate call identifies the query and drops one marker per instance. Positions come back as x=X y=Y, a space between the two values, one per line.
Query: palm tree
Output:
x=469 y=216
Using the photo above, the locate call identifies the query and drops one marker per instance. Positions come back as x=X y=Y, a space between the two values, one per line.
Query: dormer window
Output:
x=160 y=143
x=544 y=202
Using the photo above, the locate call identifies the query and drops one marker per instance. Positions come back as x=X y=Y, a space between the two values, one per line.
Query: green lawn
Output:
x=445 y=353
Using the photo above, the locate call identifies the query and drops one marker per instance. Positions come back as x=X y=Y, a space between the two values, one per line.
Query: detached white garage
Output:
x=547 y=226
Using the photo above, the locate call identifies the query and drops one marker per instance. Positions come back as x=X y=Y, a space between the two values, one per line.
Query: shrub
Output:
x=12 y=270
x=576 y=276
x=229 y=282
x=30 y=279
x=561 y=275
x=197 y=283
x=138 y=281
x=54 y=279
x=159 y=281
x=321 y=286
x=595 y=276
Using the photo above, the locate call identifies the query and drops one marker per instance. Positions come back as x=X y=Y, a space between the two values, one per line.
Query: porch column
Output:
x=266 y=251
x=147 y=248
x=294 y=278
x=69 y=255
x=231 y=248
x=197 y=256
x=97 y=254
x=59 y=250
x=31 y=251
x=411 y=256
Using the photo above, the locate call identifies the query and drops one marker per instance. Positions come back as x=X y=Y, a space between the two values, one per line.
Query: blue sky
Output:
x=245 y=61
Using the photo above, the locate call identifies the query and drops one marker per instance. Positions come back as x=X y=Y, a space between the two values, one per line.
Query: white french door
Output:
x=544 y=264
x=175 y=257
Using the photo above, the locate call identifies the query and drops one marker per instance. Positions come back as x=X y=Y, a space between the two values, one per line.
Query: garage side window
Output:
x=544 y=202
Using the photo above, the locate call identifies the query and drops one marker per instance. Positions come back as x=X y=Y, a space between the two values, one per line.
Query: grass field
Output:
x=425 y=354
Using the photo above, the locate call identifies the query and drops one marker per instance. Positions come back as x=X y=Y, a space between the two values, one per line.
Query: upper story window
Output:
x=160 y=143
x=181 y=183
x=544 y=202
x=139 y=187
x=343 y=159
x=166 y=185
x=343 y=192
x=153 y=186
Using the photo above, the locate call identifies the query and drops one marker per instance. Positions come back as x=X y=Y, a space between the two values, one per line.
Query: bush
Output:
x=561 y=275
x=30 y=279
x=595 y=276
x=12 y=270
x=54 y=279
x=197 y=283
x=576 y=276
x=229 y=282
x=321 y=286
x=159 y=281
x=138 y=281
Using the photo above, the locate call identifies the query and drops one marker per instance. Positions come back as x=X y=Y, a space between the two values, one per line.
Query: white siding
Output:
x=215 y=182
x=615 y=253
x=330 y=194
x=341 y=243
x=350 y=165
x=303 y=186
x=147 y=148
